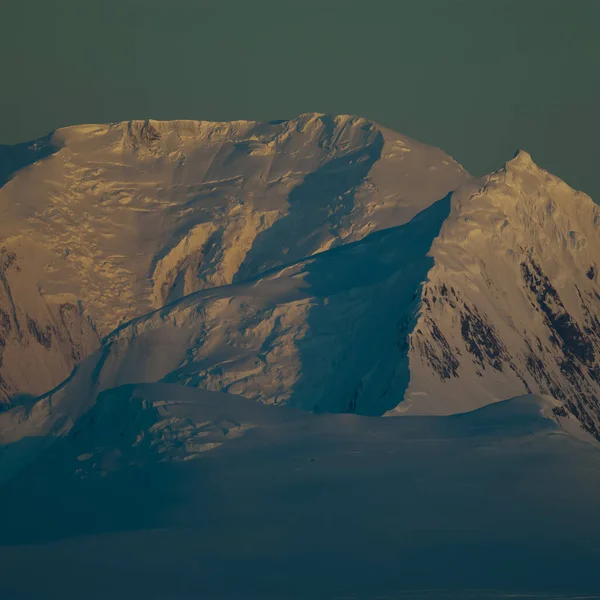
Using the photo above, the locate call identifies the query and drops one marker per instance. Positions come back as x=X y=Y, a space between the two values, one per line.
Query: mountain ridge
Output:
x=122 y=218
x=519 y=241
x=458 y=301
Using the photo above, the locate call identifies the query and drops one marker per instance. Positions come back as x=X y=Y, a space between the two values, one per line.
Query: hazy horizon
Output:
x=477 y=79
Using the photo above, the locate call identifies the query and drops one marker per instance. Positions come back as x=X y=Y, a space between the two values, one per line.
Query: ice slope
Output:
x=108 y=222
x=161 y=491
x=512 y=303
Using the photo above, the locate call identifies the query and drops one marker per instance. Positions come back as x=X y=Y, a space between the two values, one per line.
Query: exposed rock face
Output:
x=514 y=293
x=40 y=340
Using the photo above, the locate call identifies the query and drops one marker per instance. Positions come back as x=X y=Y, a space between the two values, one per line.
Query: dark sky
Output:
x=479 y=78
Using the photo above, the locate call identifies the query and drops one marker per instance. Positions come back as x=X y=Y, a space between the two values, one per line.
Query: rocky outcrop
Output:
x=40 y=341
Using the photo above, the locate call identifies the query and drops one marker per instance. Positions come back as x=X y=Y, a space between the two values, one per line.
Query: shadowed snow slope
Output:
x=161 y=491
x=103 y=223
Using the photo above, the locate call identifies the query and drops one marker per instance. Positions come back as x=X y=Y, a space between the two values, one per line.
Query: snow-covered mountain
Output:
x=194 y=292
x=433 y=305
x=100 y=224
x=512 y=302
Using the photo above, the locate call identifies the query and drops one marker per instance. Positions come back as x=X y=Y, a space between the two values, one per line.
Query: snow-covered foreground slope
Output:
x=103 y=223
x=161 y=491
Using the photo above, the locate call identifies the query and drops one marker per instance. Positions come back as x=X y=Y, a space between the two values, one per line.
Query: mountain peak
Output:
x=521 y=159
x=112 y=221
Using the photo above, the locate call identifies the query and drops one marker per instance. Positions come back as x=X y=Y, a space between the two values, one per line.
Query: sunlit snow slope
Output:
x=103 y=223
x=512 y=303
